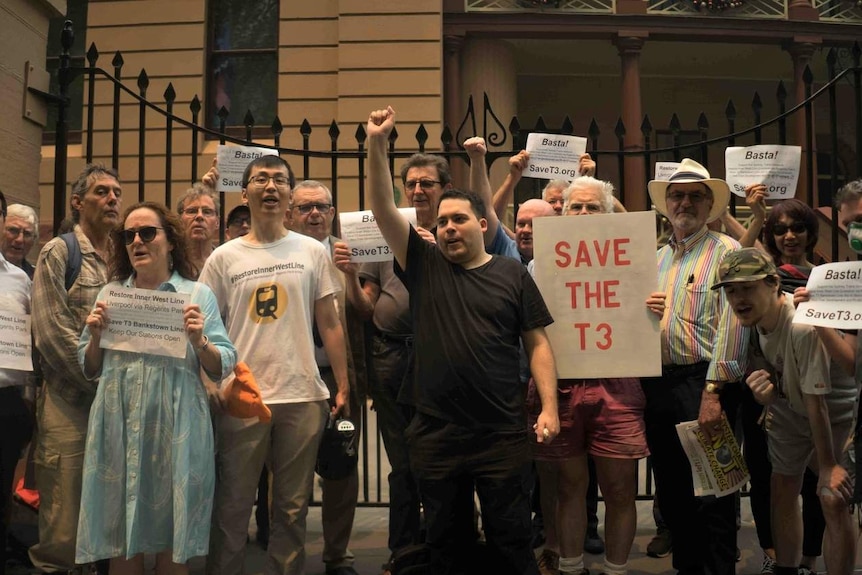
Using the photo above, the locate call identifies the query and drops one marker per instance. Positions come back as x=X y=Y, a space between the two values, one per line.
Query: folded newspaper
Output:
x=717 y=468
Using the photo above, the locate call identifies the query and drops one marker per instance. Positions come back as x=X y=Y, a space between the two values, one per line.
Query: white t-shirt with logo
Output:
x=266 y=295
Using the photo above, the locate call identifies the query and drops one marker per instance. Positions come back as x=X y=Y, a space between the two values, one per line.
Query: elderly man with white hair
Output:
x=21 y=232
x=601 y=419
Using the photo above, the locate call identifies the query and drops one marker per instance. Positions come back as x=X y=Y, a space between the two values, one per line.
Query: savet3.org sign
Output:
x=595 y=274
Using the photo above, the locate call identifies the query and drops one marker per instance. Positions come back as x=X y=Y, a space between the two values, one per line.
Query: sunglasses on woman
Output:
x=147 y=234
x=796 y=227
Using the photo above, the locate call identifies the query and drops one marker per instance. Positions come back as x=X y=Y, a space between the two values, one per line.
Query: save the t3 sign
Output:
x=595 y=274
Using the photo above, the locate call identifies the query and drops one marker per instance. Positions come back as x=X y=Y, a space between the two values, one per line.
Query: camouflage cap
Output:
x=744 y=265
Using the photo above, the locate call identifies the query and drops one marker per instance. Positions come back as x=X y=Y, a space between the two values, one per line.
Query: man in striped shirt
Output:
x=703 y=349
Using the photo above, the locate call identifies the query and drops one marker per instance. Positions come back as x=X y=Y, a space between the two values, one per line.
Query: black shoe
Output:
x=661 y=545
x=593 y=544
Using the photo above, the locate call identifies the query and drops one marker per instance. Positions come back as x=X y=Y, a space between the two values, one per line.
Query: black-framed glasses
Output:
x=193 y=212
x=797 y=228
x=13 y=232
x=146 y=233
x=261 y=180
x=424 y=184
x=306 y=209
x=693 y=197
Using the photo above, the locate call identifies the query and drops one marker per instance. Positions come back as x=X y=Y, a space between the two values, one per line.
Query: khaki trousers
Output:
x=288 y=444
x=59 y=462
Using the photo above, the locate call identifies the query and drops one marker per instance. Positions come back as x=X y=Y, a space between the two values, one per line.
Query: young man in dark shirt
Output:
x=469 y=310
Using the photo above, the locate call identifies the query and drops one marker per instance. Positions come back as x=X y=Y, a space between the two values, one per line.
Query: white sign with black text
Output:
x=554 y=157
x=835 y=297
x=776 y=167
x=145 y=321
x=360 y=232
x=232 y=162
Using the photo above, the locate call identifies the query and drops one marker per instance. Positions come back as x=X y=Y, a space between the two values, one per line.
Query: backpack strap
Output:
x=73 y=259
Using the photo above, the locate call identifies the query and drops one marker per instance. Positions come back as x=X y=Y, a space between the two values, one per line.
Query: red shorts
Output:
x=602 y=417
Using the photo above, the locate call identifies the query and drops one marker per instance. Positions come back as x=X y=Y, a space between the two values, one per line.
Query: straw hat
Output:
x=690 y=171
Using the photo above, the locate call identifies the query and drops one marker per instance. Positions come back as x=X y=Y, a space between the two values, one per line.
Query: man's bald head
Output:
x=530 y=209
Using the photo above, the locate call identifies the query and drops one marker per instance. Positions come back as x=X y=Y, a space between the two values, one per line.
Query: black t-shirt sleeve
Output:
x=534 y=312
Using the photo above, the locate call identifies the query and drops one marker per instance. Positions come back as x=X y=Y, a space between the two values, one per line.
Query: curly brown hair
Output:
x=121 y=267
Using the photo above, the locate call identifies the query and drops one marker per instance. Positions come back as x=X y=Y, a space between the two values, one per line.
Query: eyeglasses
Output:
x=238 y=221
x=146 y=233
x=207 y=212
x=424 y=184
x=14 y=231
x=260 y=181
x=797 y=228
x=306 y=209
x=693 y=197
x=577 y=208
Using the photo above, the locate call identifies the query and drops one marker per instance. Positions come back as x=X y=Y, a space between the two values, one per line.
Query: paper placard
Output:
x=554 y=157
x=360 y=232
x=836 y=297
x=776 y=167
x=595 y=275
x=663 y=170
x=16 y=350
x=232 y=162
x=145 y=321
x=717 y=467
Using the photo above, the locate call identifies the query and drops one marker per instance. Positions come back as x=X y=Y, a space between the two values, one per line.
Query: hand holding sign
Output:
x=193 y=321
x=755 y=198
x=97 y=320
x=341 y=258
x=210 y=179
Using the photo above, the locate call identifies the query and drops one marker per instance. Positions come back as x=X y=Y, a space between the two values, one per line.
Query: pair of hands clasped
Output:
x=193 y=322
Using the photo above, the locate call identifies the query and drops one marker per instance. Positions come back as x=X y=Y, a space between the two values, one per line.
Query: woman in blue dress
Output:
x=149 y=467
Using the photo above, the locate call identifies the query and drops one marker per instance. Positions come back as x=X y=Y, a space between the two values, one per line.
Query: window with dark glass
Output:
x=242 y=71
x=77 y=13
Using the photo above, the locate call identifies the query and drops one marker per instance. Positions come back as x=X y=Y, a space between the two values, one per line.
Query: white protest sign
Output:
x=15 y=344
x=663 y=170
x=595 y=274
x=145 y=321
x=776 y=167
x=232 y=162
x=553 y=156
x=836 y=297
x=360 y=232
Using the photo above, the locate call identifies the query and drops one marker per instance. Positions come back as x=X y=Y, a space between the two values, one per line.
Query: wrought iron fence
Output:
x=503 y=139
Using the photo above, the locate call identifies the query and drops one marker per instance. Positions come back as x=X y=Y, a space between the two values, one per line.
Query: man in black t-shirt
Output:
x=469 y=310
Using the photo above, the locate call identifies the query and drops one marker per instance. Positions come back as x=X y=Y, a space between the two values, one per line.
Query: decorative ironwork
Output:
x=772 y=9
x=848 y=11
x=576 y=6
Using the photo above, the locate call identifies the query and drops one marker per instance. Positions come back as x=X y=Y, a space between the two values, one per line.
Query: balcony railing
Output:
x=836 y=11
x=846 y=11
x=571 y=6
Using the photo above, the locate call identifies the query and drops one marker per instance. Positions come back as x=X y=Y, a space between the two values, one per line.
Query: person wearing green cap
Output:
x=789 y=373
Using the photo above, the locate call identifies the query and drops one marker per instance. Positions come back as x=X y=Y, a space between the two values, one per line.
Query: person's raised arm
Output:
x=755 y=198
x=506 y=193
x=479 y=183
x=379 y=194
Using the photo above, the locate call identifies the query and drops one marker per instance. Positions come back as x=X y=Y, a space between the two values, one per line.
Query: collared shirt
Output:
x=14 y=298
x=59 y=316
x=698 y=324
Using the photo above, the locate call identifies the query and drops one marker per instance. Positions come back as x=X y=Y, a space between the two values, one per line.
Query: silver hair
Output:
x=311 y=185
x=553 y=184
x=24 y=212
x=605 y=189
